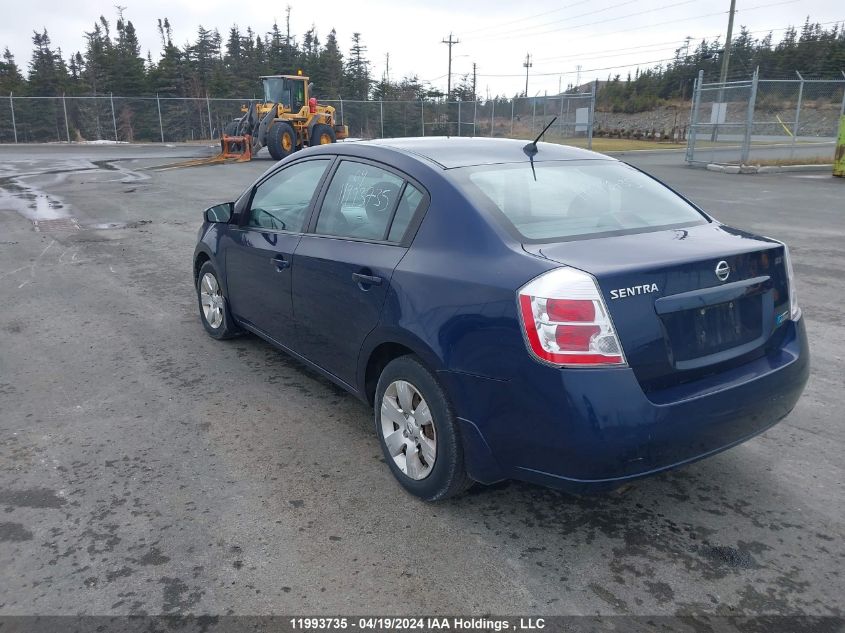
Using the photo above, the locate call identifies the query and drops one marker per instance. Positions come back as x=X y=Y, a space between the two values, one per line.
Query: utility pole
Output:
x=527 y=64
x=473 y=81
x=578 y=77
x=726 y=57
x=288 y=49
x=451 y=43
x=387 y=67
x=723 y=75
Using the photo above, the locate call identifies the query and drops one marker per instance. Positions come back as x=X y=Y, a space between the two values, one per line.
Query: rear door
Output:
x=342 y=268
x=259 y=258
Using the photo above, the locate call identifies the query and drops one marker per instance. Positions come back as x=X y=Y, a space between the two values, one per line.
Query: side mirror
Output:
x=220 y=213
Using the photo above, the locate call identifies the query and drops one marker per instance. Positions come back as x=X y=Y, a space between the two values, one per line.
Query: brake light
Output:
x=794 y=309
x=566 y=322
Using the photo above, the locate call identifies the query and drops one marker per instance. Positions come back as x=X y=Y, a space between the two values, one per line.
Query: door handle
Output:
x=369 y=280
x=280 y=262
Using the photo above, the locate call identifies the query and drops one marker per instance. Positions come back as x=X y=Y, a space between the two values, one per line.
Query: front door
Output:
x=260 y=257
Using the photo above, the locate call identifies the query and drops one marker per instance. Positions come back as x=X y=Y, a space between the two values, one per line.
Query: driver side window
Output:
x=281 y=202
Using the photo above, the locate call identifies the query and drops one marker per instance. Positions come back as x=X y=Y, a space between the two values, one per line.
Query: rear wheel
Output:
x=231 y=128
x=418 y=431
x=322 y=134
x=281 y=140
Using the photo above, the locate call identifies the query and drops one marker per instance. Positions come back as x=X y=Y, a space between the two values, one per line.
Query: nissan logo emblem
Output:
x=723 y=271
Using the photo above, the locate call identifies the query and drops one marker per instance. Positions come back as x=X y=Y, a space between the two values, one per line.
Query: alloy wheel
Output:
x=211 y=299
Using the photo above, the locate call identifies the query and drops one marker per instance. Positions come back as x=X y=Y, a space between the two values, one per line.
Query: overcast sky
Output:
x=602 y=36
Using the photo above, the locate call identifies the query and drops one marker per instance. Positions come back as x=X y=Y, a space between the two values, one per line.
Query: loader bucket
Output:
x=236 y=147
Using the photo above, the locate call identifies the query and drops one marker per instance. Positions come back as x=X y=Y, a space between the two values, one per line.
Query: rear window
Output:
x=570 y=199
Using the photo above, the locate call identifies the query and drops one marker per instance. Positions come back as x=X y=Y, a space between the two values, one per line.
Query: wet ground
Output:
x=145 y=468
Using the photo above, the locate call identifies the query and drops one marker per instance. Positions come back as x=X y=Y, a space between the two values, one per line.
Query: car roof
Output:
x=449 y=152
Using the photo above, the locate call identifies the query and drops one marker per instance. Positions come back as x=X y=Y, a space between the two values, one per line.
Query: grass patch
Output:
x=616 y=144
x=783 y=162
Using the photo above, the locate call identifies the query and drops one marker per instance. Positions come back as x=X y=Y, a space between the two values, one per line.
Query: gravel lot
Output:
x=146 y=468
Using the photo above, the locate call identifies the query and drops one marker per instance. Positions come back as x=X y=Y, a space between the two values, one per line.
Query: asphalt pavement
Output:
x=146 y=468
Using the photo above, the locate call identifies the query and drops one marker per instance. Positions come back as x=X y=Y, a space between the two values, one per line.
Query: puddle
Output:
x=45 y=209
x=30 y=202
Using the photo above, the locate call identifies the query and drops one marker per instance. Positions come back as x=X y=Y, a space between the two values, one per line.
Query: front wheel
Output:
x=418 y=432
x=214 y=309
x=281 y=140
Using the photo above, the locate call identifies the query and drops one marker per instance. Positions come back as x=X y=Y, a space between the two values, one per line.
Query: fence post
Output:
x=160 y=124
x=14 y=126
x=842 y=109
x=422 y=115
x=693 y=124
x=342 y=121
x=797 y=115
x=474 y=115
x=67 y=127
x=381 y=114
x=492 y=116
x=533 y=113
x=592 y=114
x=208 y=107
x=113 y=119
x=545 y=101
x=560 y=118
x=513 y=105
x=459 y=117
x=749 y=120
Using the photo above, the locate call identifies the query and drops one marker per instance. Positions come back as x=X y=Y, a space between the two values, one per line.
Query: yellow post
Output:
x=839 y=157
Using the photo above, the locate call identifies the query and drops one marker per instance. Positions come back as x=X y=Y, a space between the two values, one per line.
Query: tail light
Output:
x=794 y=310
x=566 y=322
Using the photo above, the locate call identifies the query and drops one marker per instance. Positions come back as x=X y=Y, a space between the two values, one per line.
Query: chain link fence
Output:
x=171 y=119
x=741 y=121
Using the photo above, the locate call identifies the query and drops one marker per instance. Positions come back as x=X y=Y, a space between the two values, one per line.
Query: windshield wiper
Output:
x=531 y=148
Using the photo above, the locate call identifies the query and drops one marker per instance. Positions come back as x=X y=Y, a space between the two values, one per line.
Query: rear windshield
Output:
x=570 y=199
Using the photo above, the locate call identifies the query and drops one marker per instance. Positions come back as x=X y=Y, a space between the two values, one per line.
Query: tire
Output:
x=322 y=134
x=213 y=307
x=432 y=475
x=231 y=128
x=281 y=140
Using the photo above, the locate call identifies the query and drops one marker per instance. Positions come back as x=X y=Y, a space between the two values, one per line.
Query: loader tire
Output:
x=281 y=140
x=322 y=134
x=231 y=128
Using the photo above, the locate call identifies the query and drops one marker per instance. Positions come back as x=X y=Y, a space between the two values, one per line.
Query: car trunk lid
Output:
x=677 y=317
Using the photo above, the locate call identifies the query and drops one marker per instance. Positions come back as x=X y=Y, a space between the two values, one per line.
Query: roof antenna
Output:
x=531 y=148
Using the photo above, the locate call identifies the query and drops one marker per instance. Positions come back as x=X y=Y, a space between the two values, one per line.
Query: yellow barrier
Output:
x=839 y=158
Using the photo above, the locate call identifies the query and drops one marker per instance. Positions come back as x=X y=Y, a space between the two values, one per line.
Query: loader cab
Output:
x=289 y=90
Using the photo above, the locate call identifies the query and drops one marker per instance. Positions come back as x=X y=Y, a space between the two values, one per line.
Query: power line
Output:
x=587 y=70
x=652 y=24
x=510 y=32
x=616 y=52
x=529 y=17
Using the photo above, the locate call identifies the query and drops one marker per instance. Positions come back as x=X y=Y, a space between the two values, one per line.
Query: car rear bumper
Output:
x=594 y=429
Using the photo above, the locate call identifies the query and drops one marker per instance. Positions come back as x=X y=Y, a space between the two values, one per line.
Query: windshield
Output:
x=575 y=198
x=275 y=91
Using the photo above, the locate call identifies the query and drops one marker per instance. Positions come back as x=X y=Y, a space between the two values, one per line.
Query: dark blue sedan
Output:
x=535 y=312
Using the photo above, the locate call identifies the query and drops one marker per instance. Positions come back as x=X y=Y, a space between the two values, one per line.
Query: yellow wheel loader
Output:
x=288 y=119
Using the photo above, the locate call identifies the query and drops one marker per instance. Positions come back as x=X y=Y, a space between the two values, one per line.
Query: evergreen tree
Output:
x=358 y=80
x=11 y=79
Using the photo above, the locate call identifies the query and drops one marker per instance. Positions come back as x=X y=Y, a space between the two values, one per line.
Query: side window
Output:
x=408 y=204
x=359 y=202
x=281 y=202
